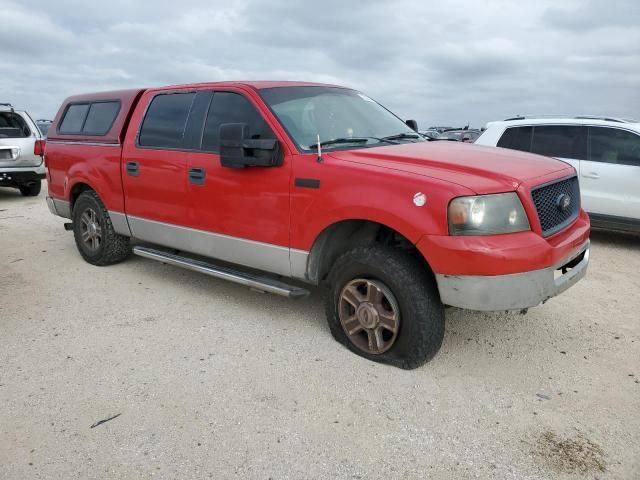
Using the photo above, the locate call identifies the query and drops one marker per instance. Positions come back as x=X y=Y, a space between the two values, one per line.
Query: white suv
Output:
x=604 y=151
x=21 y=151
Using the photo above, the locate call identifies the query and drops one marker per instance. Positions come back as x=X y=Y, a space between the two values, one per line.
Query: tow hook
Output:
x=68 y=226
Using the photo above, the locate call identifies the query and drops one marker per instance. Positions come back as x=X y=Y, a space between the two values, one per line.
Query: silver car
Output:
x=21 y=151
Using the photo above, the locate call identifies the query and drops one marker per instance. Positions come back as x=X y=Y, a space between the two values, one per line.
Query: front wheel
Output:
x=383 y=304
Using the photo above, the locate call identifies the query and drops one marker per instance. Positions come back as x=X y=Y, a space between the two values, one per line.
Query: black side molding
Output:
x=613 y=223
x=307 y=183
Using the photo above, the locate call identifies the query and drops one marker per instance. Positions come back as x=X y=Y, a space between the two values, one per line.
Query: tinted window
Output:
x=165 y=121
x=74 y=118
x=564 y=141
x=13 y=125
x=516 y=138
x=100 y=118
x=229 y=107
x=612 y=145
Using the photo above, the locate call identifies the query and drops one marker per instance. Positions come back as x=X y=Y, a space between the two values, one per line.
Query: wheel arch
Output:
x=344 y=235
x=76 y=190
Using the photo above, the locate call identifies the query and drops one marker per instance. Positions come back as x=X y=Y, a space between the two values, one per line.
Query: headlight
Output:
x=487 y=215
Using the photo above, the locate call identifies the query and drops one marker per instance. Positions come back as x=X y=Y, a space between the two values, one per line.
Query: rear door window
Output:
x=165 y=121
x=561 y=141
x=227 y=107
x=517 y=138
x=612 y=145
x=13 y=125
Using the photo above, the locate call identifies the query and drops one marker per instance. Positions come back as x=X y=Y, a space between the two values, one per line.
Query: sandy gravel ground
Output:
x=211 y=380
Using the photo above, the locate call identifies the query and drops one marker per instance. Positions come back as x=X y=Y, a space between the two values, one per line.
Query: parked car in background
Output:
x=21 y=151
x=605 y=152
x=440 y=129
x=430 y=134
x=43 y=125
x=460 y=135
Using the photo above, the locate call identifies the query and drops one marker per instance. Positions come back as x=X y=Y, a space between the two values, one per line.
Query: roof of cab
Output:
x=256 y=84
x=128 y=97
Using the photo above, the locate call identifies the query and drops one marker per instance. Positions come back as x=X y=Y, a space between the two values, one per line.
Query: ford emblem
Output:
x=563 y=202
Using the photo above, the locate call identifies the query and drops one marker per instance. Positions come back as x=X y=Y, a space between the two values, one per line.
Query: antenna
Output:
x=319 y=159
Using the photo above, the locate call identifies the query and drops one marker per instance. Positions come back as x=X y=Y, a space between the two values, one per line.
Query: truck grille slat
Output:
x=551 y=204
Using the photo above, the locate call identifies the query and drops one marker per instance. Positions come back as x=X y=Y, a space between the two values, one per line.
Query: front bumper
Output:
x=513 y=291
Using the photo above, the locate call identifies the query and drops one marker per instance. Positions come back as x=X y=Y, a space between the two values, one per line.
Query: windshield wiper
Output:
x=400 y=136
x=337 y=141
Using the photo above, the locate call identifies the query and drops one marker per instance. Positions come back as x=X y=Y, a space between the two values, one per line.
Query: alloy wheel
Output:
x=369 y=315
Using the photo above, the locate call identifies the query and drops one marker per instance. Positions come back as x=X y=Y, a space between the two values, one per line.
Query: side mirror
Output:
x=238 y=150
x=412 y=124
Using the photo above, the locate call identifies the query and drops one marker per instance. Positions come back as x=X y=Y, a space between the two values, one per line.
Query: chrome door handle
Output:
x=593 y=175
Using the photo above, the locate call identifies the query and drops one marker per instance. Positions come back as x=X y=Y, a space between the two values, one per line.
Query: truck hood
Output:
x=478 y=168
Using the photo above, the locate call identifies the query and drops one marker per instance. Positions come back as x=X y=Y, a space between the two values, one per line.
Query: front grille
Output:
x=549 y=200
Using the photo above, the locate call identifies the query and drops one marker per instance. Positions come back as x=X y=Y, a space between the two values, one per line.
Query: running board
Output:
x=256 y=282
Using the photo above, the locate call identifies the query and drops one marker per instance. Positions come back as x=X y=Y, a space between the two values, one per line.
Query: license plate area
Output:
x=570 y=265
x=9 y=153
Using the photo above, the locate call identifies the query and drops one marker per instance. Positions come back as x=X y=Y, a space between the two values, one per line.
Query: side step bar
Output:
x=250 y=280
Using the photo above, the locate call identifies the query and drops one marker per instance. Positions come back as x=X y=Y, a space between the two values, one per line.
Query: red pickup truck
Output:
x=258 y=182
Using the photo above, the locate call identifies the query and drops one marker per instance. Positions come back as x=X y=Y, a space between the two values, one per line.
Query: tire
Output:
x=408 y=293
x=91 y=221
x=31 y=189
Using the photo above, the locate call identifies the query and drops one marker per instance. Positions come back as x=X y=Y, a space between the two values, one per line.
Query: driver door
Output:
x=240 y=215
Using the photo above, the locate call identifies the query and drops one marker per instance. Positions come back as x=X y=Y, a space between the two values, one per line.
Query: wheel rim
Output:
x=369 y=315
x=90 y=229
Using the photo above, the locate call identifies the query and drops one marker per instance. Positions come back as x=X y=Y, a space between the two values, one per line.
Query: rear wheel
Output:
x=383 y=304
x=31 y=189
x=95 y=237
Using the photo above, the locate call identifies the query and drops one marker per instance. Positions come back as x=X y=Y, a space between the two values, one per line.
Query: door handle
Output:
x=593 y=175
x=133 y=169
x=197 y=175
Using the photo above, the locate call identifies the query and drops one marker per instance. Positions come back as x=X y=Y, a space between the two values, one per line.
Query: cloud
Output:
x=451 y=62
x=594 y=14
x=24 y=34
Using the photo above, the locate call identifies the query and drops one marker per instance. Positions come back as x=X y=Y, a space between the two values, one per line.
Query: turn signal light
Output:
x=458 y=214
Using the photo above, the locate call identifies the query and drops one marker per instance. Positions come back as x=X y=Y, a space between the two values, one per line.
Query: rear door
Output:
x=610 y=177
x=154 y=165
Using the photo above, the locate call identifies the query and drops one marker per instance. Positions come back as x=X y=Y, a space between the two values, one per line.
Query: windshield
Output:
x=342 y=118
